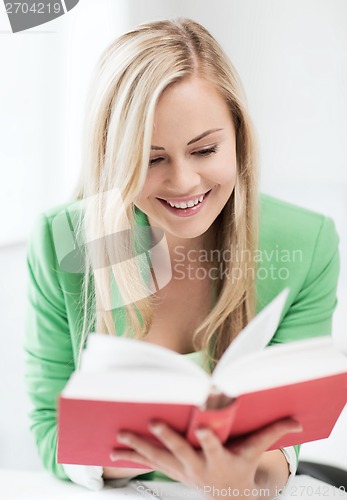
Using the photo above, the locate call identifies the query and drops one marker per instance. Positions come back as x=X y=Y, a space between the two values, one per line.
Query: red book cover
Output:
x=316 y=404
x=87 y=429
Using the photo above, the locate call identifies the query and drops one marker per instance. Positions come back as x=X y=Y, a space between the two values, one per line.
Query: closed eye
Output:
x=201 y=152
x=206 y=152
x=155 y=160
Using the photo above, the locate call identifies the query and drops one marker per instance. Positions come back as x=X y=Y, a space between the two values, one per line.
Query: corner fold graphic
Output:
x=70 y=4
x=28 y=14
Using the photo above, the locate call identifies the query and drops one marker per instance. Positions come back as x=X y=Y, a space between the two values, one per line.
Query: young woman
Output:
x=169 y=145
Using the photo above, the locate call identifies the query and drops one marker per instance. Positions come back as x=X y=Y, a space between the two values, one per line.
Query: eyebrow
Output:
x=196 y=139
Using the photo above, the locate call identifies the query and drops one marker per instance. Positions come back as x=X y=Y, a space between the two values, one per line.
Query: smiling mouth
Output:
x=191 y=203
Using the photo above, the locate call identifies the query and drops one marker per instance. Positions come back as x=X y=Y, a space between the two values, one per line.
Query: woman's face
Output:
x=193 y=157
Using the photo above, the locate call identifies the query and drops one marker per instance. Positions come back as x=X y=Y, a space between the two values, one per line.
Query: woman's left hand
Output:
x=215 y=466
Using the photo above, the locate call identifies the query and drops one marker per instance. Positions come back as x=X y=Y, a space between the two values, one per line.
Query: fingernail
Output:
x=123 y=438
x=114 y=456
x=155 y=427
x=297 y=426
x=201 y=433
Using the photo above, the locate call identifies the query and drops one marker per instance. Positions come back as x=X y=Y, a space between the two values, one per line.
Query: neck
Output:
x=189 y=254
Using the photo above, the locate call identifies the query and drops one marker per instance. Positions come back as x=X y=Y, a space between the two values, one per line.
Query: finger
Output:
x=131 y=456
x=210 y=444
x=177 y=444
x=253 y=446
x=158 y=457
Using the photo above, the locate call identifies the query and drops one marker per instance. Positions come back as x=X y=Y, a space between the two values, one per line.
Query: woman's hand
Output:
x=121 y=472
x=236 y=467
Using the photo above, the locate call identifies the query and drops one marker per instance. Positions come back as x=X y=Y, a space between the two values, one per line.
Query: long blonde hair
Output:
x=129 y=78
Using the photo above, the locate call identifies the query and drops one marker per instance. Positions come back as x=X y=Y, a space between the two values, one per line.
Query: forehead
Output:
x=189 y=105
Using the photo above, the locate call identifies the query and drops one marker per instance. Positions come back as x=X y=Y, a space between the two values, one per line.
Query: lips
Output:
x=188 y=211
x=184 y=200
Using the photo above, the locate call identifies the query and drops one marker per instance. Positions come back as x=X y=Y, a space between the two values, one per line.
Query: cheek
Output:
x=224 y=172
x=146 y=190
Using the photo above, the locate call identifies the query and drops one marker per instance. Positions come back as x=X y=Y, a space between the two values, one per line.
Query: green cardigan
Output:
x=298 y=249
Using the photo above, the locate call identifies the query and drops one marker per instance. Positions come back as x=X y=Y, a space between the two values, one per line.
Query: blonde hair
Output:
x=130 y=77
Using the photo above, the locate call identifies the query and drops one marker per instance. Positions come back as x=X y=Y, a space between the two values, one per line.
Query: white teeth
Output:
x=190 y=203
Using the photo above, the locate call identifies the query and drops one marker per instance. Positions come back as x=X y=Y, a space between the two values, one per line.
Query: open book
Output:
x=125 y=383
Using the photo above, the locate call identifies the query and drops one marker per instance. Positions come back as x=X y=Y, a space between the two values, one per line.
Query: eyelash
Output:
x=207 y=152
x=203 y=153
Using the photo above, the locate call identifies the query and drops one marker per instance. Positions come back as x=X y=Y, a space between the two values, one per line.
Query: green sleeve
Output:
x=47 y=344
x=311 y=312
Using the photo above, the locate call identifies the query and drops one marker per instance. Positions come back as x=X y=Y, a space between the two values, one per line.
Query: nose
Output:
x=182 y=179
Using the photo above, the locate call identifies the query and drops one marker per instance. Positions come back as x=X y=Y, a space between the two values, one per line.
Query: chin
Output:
x=191 y=233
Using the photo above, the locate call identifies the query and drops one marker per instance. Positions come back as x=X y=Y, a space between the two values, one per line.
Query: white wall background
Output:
x=292 y=58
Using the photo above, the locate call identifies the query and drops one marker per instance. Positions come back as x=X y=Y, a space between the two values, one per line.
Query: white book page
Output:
x=106 y=352
x=138 y=385
x=255 y=336
x=282 y=364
